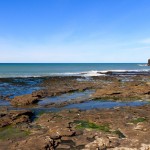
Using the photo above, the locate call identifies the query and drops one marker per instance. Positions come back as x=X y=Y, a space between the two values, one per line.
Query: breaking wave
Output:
x=84 y=74
x=142 y=65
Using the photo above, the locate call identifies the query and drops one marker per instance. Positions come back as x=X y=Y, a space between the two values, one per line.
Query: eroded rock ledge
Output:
x=113 y=129
x=108 y=87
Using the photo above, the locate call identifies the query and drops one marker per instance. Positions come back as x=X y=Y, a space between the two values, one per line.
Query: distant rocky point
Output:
x=148 y=62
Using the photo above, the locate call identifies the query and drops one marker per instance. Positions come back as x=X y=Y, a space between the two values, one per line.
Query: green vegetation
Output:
x=12 y=133
x=137 y=120
x=81 y=124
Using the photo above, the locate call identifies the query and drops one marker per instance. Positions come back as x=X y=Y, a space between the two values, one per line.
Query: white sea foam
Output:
x=91 y=73
x=85 y=74
x=106 y=72
x=142 y=65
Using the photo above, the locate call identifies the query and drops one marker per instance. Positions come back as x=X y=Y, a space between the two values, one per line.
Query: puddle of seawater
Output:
x=66 y=97
x=19 y=89
x=4 y=103
x=20 y=86
x=88 y=106
x=104 y=104
x=82 y=106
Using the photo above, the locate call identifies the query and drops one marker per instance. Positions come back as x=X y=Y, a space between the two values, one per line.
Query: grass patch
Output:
x=12 y=133
x=81 y=124
x=137 y=120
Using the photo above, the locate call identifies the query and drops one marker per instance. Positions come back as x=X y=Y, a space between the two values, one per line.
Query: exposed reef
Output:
x=106 y=129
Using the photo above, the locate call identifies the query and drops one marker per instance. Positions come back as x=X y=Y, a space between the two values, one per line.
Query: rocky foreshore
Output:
x=113 y=129
x=120 y=128
x=128 y=88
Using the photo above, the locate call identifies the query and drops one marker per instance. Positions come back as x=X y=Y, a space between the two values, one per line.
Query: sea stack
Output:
x=148 y=62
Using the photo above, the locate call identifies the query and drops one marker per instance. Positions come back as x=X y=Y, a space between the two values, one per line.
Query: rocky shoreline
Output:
x=118 y=128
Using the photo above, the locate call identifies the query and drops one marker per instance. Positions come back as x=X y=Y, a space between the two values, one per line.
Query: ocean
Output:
x=68 y=69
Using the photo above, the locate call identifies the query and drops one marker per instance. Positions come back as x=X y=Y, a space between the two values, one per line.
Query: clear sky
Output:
x=74 y=31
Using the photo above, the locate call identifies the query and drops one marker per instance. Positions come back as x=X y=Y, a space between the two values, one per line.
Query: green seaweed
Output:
x=82 y=124
x=10 y=132
x=137 y=120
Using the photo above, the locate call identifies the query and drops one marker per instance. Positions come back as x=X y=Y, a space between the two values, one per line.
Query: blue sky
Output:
x=74 y=31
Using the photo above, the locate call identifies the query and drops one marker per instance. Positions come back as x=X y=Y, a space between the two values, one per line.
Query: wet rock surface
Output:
x=128 y=88
x=106 y=87
x=124 y=91
x=118 y=128
x=52 y=86
x=11 y=87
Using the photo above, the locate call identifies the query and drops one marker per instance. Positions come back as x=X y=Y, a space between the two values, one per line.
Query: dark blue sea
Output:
x=67 y=69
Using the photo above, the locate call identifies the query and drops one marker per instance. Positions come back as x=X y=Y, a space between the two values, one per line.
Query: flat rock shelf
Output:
x=75 y=112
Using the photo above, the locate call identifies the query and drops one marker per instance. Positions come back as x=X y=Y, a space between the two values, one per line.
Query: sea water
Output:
x=67 y=69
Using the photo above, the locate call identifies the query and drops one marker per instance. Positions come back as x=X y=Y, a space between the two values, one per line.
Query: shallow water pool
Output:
x=104 y=104
x=66 y=97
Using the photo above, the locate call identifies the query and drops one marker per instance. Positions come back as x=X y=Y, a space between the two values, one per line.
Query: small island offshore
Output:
x=108 y=111
x=148 y=62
